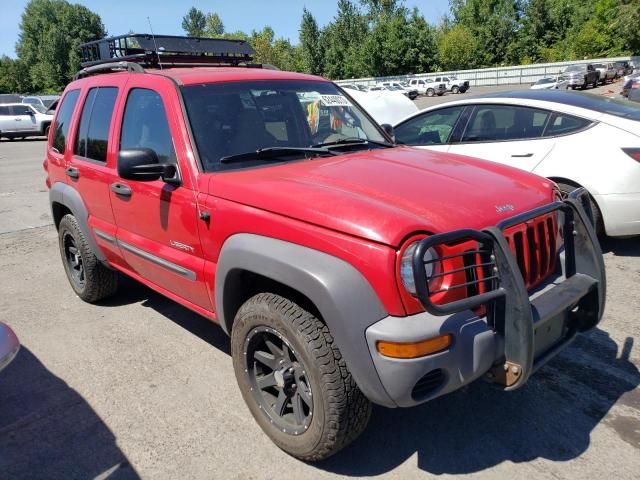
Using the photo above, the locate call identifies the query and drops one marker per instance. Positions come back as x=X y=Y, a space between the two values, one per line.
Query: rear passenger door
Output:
x=508 y=134
x=91 y=162
x=158 y=221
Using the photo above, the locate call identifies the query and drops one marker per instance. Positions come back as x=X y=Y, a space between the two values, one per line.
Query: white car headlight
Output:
x=406 y=266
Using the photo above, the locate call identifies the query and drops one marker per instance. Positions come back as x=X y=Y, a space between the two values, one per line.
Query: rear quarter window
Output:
x=561 y=124
x=63 y=120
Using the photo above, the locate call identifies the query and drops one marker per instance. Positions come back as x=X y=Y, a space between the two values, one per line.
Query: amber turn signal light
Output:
x=414 y=349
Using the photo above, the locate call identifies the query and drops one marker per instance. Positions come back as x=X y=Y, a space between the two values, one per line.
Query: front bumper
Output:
x=9 y=345
x=525 y=329
x=575 y=81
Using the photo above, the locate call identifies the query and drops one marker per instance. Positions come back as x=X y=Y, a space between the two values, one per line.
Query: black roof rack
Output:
x=164 y=51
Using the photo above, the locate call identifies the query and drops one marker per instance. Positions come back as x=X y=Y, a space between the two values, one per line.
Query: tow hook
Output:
x=506 y=374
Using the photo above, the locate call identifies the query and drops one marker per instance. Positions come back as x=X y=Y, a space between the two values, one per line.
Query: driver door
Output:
x=157 y=221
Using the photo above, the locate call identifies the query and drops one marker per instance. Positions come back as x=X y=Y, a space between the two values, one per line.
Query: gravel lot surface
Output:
x=141 y=387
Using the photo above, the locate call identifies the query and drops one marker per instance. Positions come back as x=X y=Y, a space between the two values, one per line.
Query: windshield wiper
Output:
x=352 y=141
x=272 y=153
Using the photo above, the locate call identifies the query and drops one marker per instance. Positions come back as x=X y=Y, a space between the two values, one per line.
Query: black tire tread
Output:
x=101 y=282
x=597 y=215
x=349 y=410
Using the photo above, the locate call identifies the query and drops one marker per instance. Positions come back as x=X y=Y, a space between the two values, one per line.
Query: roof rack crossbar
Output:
x=108 y=68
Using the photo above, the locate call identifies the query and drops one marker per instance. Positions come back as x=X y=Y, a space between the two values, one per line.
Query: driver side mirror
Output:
x=143 y=165
x=388 y=129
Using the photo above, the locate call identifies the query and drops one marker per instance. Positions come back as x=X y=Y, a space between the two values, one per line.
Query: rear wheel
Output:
x=294 y=379
x=566 y=189
x=89 y=278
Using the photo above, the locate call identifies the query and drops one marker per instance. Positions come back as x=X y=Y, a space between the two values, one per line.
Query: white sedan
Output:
x=574 y=139
x=551 y=83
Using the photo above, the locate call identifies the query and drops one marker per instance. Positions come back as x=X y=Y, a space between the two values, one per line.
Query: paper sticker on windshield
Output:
x=335 y=101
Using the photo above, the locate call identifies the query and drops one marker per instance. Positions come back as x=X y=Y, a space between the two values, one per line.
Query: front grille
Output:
x=534 y=245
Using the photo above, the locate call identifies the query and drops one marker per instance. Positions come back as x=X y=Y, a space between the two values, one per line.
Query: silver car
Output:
x=9 y=345
x=607 y=71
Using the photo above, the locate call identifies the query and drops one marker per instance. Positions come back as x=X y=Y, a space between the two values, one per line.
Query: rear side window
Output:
x=431 y=128
x=505 y=122
x=145 y=125
x=63 y=120
x=93 y=133
x=562 y=124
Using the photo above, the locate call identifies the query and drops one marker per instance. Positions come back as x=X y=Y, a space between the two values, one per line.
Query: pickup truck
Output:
x=345 y=269
x=453 y=84
x=21 y=120
x=426 y=86
x=581 y=76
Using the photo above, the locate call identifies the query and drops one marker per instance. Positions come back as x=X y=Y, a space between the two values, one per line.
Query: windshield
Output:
x=545 y=80
x=574 y=68
x=229 y=119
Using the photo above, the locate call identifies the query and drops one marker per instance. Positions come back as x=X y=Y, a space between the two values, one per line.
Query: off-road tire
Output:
x=430 y=92
x=100 y=282
x=455 y=89
x=566 y=189
x=45 y=131
x=340 y=410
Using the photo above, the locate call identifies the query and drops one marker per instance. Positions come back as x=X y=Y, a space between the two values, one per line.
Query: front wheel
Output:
x=430 y=92
x=455 y=89
x=294 y=380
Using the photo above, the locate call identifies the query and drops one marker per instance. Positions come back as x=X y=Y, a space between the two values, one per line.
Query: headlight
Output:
x=406 y=266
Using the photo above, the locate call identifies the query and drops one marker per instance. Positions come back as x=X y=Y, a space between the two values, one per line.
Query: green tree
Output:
x=14 y=76
x=457 y=49
x=213 y=27
x=311 y=49
x=194 y=23
x=627 y=23
x=343 y=41
x=494 y=25
x=51 y=32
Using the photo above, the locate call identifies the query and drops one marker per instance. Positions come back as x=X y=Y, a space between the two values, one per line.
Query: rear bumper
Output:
x=621 y=213
x=9 y=345
x=525 y=330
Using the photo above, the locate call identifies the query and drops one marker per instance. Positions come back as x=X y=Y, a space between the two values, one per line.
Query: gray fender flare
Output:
x=69 y=197
x=344 y=298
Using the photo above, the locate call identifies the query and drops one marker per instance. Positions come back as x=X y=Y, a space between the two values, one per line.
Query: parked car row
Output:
x=414 y=87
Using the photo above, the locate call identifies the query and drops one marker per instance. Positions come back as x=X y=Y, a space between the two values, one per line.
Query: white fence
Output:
x=522 y=74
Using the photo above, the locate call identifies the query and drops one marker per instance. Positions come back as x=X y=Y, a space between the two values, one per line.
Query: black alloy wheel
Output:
x=278 y=380
x=74 y=260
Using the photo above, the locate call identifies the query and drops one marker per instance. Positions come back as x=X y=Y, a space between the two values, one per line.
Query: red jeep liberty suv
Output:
x=346 y=269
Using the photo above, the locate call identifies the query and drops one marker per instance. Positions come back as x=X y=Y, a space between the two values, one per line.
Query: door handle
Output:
x=121 y=189
x=522 y=155
x=72 y=172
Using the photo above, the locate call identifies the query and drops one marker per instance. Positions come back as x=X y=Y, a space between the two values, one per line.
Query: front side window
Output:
x=63 y=120
x=431 y=128
x=145 y=125
x=505 y=122
x=93 y=133
x=4 y=110
x=231 y=119
x=21 y=110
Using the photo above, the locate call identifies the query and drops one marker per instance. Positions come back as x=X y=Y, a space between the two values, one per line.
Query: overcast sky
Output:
x=121 y=16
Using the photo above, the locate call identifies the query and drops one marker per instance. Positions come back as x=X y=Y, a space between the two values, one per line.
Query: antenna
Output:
x=154 y=43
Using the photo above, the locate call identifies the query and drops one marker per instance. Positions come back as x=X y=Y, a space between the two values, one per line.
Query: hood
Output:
x=384 y=195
